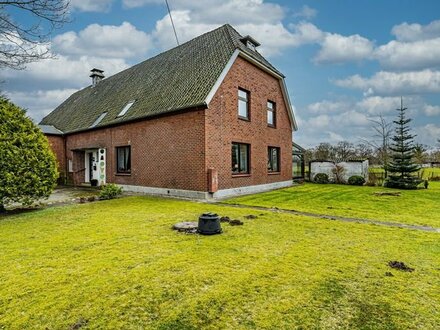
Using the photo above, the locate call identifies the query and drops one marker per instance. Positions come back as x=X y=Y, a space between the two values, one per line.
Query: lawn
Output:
x=118 y=265
x=418 y=207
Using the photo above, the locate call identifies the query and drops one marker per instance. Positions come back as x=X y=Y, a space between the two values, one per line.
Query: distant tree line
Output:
x=378 y=155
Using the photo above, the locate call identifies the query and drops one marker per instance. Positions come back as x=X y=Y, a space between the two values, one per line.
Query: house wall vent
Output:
x=97 y=75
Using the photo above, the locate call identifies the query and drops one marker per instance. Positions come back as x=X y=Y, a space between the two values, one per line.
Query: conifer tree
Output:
x=402 y=166
x=27 y=165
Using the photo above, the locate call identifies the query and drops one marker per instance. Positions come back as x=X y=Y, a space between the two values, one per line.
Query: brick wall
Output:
x=223 y=127
x=166 y=152
x=57 y=144
x=176 y=151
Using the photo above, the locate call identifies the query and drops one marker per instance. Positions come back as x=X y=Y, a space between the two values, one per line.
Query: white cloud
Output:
x=139 y=3
x=338 y=49
x=326 y=106
x=123 y=41
x=392 y=83
x=334 y=137
x=431 y=110
x=70 y=73
x=218 y=12
x=321 y=121
x=274 y=37
x=41 y=102
x=305 y=33
x=409 y=56
x=306 y=12
x=416 y=32
x=163 y=34
x=378 y=105
x=91 y=5
x=428 y=134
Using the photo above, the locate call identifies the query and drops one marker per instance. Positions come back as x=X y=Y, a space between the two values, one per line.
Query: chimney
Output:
x=97 y=75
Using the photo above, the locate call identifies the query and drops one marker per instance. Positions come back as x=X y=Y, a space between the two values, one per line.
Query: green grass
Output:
x=118 y=265
x=418 y=207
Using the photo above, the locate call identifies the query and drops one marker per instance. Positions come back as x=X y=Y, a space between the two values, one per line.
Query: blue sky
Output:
x=346 y=62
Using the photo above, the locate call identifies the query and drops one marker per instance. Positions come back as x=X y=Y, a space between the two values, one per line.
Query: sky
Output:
x=346 y=62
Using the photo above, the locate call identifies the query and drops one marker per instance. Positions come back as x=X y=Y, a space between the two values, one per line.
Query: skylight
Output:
x=124 y=111
x=99 y=119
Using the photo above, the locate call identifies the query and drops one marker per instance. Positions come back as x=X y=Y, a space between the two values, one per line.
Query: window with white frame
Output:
x=271 y=113
x=243 y=104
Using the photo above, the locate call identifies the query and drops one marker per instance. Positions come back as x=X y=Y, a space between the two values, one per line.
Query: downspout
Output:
x=66 y=161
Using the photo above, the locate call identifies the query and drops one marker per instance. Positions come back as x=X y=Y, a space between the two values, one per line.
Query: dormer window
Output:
x=99 y=119
x=250 y=42
x=124 y=111
x=250 y=45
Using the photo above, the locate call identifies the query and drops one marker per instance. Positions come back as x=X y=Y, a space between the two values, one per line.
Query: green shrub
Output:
x=110 y=191
x=356 y=180
x=402 y=183
x=28 y=169
x=321 y=178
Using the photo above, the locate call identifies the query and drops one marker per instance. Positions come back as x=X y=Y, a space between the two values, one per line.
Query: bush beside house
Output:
x=27 y=165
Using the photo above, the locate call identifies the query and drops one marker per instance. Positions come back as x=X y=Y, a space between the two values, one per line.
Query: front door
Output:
x=90 y=167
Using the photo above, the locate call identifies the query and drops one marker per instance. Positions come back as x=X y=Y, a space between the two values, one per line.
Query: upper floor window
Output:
x=240 y=158
x=271 y=115
x=273 y=162
x=123 y=159
x=243 y=104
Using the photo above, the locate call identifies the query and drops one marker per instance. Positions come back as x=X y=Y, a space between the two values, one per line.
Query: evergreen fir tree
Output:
x=402 y=166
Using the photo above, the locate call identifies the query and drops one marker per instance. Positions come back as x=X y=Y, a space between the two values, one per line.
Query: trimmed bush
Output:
x=321 y=178
x=110 y=191
x=356 y=180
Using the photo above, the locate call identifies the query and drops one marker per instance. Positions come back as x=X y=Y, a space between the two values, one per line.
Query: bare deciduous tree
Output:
x=381 y=139
x=24 y=41
x=344 y=151
x=420 y=155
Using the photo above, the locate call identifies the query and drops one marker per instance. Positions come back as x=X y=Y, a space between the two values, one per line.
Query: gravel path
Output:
x=334 y=217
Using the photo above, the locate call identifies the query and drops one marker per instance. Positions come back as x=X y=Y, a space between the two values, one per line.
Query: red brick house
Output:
x=209 y=118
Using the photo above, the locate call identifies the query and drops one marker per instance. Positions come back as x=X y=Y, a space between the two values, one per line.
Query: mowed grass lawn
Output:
x=118 y=265
x=417 y=207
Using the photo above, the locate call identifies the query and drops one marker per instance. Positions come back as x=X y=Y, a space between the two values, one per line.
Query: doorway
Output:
x=90 y=165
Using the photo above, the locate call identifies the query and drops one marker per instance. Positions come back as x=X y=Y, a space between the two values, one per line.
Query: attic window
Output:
x=250 y=42
x=99 y=119
x=250 y=45
x=124 y=111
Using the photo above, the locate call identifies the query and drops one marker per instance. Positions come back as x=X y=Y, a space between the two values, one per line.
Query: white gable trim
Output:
x=228 y=66
x=222 y=77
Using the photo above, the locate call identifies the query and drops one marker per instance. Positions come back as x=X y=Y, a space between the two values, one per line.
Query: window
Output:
x=123 y=159
x=271 y=113
x=243 y=104
x=124 y=111
x=99 y=119
x=250 y=45
x=240 y=158
x=273 y=162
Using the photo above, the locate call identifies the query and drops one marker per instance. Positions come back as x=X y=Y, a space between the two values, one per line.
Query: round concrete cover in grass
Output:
x=185 y=226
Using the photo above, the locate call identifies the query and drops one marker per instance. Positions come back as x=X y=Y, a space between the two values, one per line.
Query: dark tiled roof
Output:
x=179 y=78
